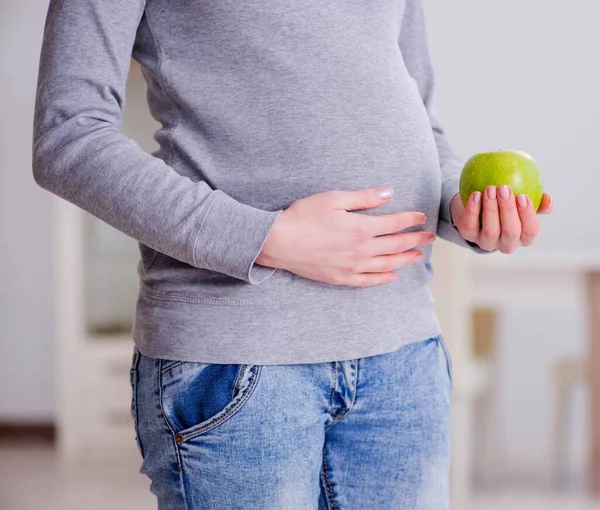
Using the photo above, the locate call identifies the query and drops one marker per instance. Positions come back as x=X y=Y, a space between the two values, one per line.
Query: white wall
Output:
x=26 y=265
x=524 y=74
x=26 y=322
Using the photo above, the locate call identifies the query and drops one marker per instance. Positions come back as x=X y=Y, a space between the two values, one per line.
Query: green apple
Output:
x=515 y=169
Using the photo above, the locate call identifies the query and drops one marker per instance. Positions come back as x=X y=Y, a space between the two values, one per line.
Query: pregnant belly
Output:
x=403 y=157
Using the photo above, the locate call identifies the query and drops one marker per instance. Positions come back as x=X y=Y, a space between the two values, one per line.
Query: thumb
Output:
x=361 y=199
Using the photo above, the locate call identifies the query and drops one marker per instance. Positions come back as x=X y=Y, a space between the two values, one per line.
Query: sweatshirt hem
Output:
x=226 y=302
x=299 y=331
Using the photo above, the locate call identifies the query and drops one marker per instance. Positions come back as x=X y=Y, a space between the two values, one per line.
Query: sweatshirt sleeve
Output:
x=415 y=52
x=80 y=155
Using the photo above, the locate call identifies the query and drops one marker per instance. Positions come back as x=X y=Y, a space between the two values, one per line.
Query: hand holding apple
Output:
x=500 y=194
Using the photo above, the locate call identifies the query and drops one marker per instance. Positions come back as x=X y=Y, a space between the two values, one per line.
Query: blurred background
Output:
x=524 y=330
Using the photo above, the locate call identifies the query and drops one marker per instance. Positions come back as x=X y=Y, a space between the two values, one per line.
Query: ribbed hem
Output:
x=372 y=322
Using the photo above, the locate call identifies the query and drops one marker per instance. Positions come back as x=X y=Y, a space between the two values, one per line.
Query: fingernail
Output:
x=393 y=277
x=419 y=256
x=504 y=192
x=476 y=197
x=491 y=192
x=385 y=193
x=549 y=201
x=424 y=219
x=430 y=239
x=522 y=201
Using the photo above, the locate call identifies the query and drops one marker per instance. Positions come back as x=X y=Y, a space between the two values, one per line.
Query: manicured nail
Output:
x=491 y=192
x=476 y=197
x=384 y=193
x=549 y=201
x=522 y=201
x=504 y=192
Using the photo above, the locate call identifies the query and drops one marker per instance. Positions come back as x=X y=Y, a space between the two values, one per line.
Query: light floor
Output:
x=31 y=478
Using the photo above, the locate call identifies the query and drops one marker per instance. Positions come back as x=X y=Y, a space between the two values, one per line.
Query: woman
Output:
x=287 y=351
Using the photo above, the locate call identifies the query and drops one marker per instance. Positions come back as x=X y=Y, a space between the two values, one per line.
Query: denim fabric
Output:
x=369 y=433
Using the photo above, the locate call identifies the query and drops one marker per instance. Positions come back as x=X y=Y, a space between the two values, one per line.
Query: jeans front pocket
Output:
x=197 y=397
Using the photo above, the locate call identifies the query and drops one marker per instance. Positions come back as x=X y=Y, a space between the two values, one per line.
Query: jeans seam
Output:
x=329 y=496
x=354 y=383
x=133 y=375
x=162 y=410
x=133 y=380
x=333 y=374
x=184 y=490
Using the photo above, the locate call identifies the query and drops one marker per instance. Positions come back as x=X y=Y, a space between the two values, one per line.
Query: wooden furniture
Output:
x=500 y=281
x=567 y=375
x=484 y=323
x=593 y=295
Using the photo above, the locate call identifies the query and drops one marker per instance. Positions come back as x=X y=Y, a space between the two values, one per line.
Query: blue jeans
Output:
x=363 y=434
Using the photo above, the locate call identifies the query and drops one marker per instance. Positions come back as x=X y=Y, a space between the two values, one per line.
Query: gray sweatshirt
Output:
x=261 y=103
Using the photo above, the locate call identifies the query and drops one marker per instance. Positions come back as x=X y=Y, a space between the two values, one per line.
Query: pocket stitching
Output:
x=238 y=380
x=164 y=414
x=171 y=367
x=227 y=412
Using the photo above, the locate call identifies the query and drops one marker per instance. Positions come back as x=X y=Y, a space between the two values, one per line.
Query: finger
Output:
x=490 y=224
x=389 y=223
x=546 y=206
x=530 y=224
x=357 y=200
x=395 y=243
x=510 y=223
x=387 y=263
x=468 y=224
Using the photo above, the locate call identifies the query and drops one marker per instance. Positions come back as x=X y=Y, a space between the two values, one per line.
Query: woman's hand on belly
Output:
x=321 y=238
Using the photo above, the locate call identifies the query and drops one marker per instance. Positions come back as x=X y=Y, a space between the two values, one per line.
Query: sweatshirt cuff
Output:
x=230 y=238
x=447 y=229
x=463 y=242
